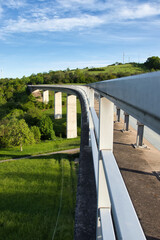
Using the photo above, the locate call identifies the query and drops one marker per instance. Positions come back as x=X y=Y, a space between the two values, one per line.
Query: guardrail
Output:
x=138 y=96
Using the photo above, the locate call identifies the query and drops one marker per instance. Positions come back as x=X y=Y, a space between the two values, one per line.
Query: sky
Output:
x=43 y=35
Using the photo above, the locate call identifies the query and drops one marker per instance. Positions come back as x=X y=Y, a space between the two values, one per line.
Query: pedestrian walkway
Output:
x=138 y=167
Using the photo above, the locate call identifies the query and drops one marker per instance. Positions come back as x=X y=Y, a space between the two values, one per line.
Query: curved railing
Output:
x=138 y=96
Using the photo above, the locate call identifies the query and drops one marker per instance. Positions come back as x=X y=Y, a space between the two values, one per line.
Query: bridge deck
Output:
x=137 y=167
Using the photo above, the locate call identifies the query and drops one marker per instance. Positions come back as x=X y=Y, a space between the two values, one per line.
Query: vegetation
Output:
x=153 y=63
x=41 y=147
x=16 y=132
x=30 y=192
x=33 y=121
x=96 y=69
x=30 y=188
x=24 y=119
x=46 y=128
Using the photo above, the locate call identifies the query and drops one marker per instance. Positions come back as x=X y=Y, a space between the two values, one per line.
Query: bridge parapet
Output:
x=138 y=96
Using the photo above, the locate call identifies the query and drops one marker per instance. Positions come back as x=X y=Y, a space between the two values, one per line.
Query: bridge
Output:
x=104 y=209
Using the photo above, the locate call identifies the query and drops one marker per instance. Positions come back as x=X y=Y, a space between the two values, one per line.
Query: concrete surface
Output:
x=137 y=167
x=86 y=203
x=57 y=105
x=45 y=96
x=71 y=116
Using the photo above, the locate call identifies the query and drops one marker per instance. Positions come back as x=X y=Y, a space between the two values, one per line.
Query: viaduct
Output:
x=104 y=209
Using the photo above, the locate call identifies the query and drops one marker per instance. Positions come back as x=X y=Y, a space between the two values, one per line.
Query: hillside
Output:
x=86 y=75
x=29 y=115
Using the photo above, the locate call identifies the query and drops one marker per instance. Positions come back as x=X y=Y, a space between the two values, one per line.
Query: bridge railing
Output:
x=139 y=97
x=116 y=217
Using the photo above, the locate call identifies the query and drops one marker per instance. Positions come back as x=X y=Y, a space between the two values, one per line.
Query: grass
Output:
x=123 y=69
x=30 y=195
x=50 y=145
x=42 y=147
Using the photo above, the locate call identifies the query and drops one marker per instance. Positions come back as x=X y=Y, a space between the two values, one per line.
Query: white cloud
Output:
x=76 y=3
x=63 y=24
x=65 y=15
x=140 y=11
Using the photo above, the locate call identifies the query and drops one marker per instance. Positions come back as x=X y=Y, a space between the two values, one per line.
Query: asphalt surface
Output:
x=86 y=202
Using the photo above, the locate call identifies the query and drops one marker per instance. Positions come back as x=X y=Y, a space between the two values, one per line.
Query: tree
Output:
x=46 y=128
x=33 y=116
x=153 y=63
x=37 y=134
x=16 y=113
x=16 y=133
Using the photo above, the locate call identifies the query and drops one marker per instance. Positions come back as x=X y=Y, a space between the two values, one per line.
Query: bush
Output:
x=16 y=113
x=51 y=104
x=96 y=69
x=46 y=128
x=33 y=116
x=37 y=134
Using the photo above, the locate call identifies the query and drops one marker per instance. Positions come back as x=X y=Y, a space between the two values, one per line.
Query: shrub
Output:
x=37 y=134
x=96 y=69
x=33 y=116
x=46 y=128
x=51 y=104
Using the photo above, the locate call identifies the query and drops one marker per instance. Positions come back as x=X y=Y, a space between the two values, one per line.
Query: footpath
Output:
x=68 y=151
x=138 y=167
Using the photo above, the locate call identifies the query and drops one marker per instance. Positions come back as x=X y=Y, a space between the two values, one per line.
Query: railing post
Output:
x=45 y=96
x=106 y=114
x=118 y=114
x=140 y=133
x=91 y=97
x=106 y=124
x=126 y=122
x=90 y=93
x=71 y=116
x=57 y=105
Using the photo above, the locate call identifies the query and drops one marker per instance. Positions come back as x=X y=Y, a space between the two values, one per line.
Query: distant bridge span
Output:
x=104 y=209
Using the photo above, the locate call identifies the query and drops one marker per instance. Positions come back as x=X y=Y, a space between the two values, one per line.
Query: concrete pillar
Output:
x=71 y=116
x=126 y=121
x=57 y=105
x=45 y=96
x=140 y=132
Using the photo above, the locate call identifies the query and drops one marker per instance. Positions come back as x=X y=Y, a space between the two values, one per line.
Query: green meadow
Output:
x=124 y=69
x=43 y=147
x=37 y=198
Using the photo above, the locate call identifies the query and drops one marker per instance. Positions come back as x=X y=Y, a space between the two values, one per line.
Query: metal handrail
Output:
x=138 y=96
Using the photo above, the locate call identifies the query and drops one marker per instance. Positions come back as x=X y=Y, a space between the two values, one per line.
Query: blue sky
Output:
x=42 y=35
